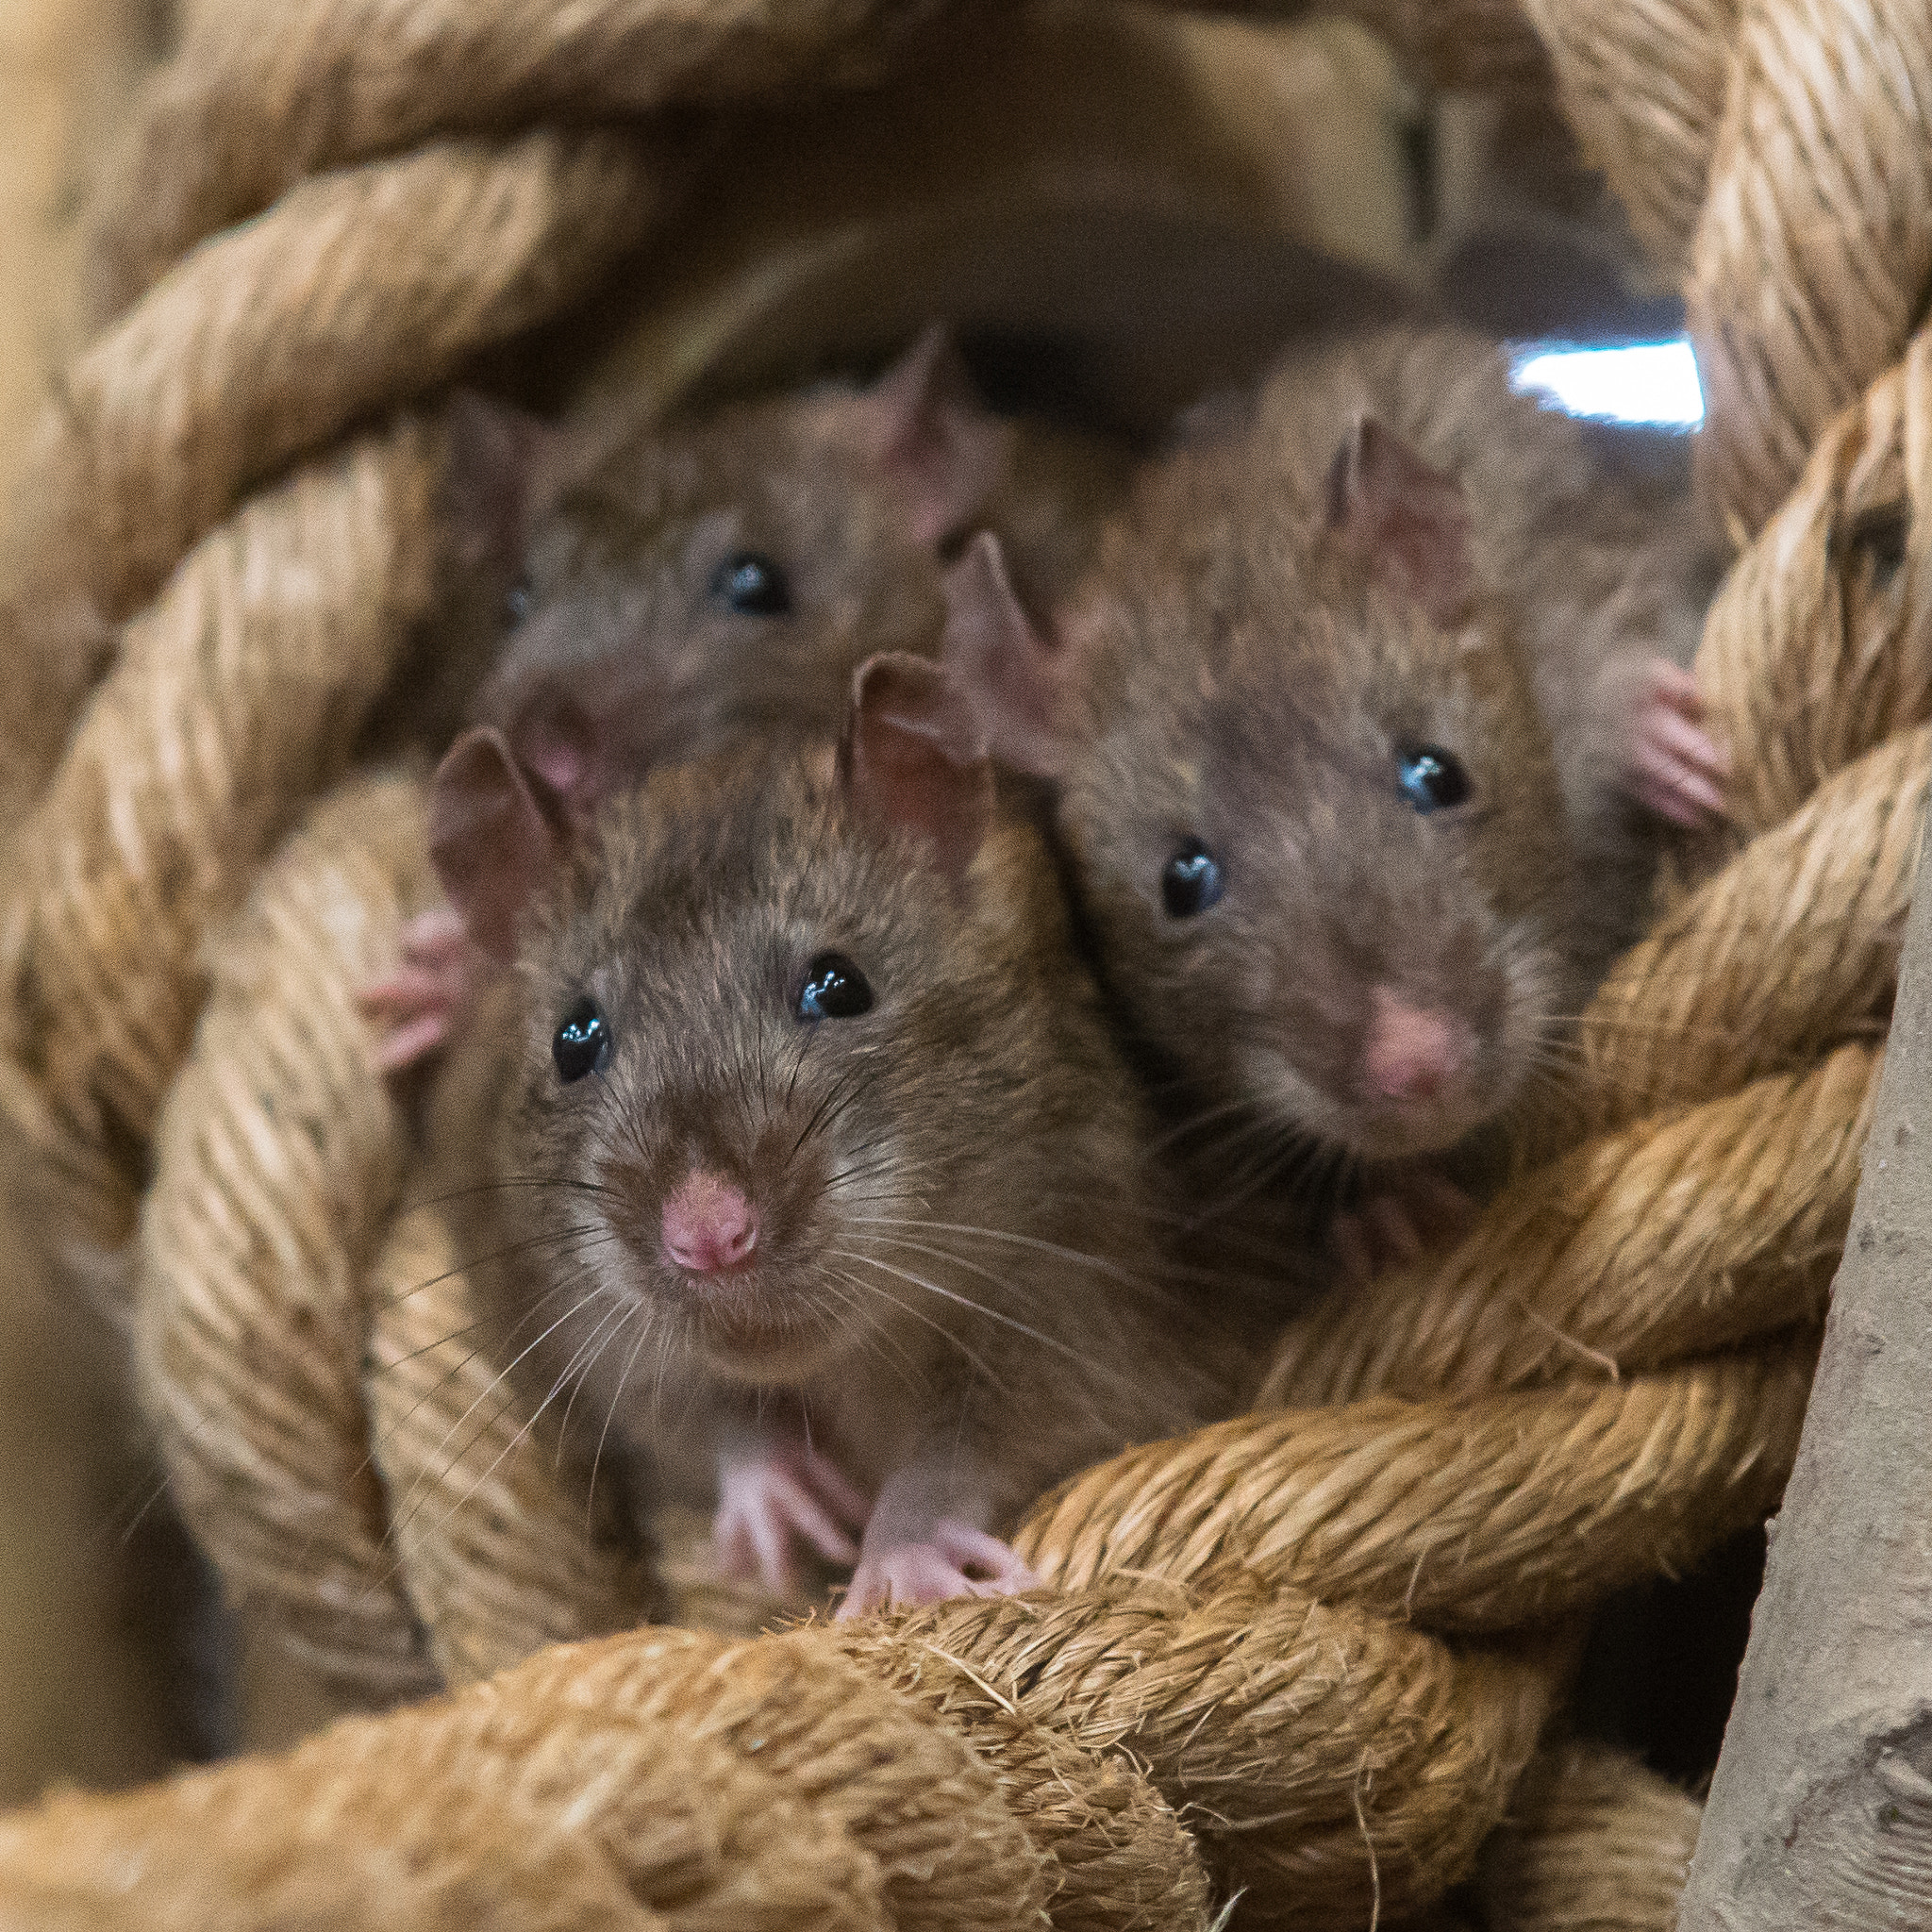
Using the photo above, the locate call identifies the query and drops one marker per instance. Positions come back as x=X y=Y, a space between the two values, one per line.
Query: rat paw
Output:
x=770 y=1507
x=955 y=1559
x=425 y=1000
x=1676 y=769
x=1418 y=1211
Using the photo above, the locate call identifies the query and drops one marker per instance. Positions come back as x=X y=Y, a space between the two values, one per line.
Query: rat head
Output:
x=1314 y=817
x=771 y=1016
x=695 y=582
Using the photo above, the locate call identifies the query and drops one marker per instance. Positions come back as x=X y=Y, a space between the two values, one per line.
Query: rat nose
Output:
x=1412 y=1053
x=708 y=1225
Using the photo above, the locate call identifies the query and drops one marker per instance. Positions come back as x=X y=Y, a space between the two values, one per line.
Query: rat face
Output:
x=1312 y=810
x=1325 y=866
x=701 y=581
x=768 y=1057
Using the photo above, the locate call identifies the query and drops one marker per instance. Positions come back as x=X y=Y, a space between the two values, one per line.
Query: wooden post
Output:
x=1820 y=1811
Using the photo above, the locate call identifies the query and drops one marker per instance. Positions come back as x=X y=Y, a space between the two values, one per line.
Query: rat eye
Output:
x=1432 y=780
x=1190 y=881
x=516 y=600
x=834 y=988
x=752 y=585
x=582 y=1045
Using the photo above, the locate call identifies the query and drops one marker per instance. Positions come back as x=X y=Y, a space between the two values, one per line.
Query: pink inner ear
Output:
x=1404 y=518
x=942 y=449
x=912 y=758
x=1014 y=677
x=489 y=839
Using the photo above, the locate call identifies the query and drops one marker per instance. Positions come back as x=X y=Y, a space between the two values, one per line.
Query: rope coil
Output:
x=1305 y=1654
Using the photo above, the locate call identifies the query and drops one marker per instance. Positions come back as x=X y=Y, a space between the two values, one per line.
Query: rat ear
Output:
x=490 y=840
x=934 y=438
x=913 y=755
x=1404 y=518
x=1014 y=677
x=502 y=468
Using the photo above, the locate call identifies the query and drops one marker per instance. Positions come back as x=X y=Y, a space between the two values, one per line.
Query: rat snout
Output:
x=1413 y=1055
x=709 y=1226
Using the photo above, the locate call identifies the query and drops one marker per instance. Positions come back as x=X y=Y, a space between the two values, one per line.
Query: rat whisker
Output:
x=1098 y=1263
x=611 y=1415
x=622 y=1316
x=530 y=1244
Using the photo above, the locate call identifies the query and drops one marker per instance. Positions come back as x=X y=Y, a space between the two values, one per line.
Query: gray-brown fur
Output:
x=1242 y=680
x=981 y=1092
x=622 y=617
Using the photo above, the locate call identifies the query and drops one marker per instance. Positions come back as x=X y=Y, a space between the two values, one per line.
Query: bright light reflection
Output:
x=1638 y=382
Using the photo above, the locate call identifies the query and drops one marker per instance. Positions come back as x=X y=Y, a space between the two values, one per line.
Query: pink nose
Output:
x=1411 y=1053
x=708 y=1225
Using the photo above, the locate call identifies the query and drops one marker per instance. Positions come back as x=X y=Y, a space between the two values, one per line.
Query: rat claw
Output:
x=425 y=998
x=1676 y=767
x=769 y=1505
x=435 y=937
x=955 y=1560
x=411 y=1041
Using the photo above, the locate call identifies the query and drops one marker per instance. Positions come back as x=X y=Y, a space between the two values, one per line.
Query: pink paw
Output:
x=955 y=1560
x=423 y=1001
x=1676 y=769
x=1418 y=1211
x=769 y=1507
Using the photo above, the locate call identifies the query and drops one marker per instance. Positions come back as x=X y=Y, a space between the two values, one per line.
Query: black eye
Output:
x=583 y=1042
x=1192 y=881
x=1432 y=780
x=834 y=988
x=753 y=585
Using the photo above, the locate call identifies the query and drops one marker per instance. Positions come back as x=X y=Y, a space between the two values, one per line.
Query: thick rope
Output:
x=1595 y=1843
x=354 y=291
x=238 y=692
x=1266 y=1712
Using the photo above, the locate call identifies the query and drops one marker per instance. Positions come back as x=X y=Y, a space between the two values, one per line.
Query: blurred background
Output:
x=1122 y=210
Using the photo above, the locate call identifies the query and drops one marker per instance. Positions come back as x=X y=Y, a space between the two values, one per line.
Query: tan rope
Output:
x=239 y=691
x=1814 y=651
x=1482 y=1516
x=1130 y=1746
x=278 y=1153
x=1595 y=1843
x=263 y=95
x=354 y=292
x=1643 y=85
x=1810 y=261
x=1671 y=1237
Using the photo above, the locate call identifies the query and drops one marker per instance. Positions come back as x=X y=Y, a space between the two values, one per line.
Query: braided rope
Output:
x=1597 y=1845
x=1285 y=1656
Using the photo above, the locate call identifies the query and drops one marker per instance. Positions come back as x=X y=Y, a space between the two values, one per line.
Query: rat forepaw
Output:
x=955 y=1559
x=768 y=1507
x=1676 y=769
x=423 y=1001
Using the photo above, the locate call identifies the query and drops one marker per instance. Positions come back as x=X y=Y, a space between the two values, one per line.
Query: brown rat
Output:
x=1358 y=723
x=687 y=586
x=807 y=1139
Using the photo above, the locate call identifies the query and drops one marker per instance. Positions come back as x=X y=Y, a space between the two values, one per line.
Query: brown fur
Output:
x=623 y=620
x=981 y=1092
x=1249 y=681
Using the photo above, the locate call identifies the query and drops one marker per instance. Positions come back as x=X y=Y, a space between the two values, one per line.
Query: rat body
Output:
x=690 y=586
x=1363 y=724
x=834 y=1168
